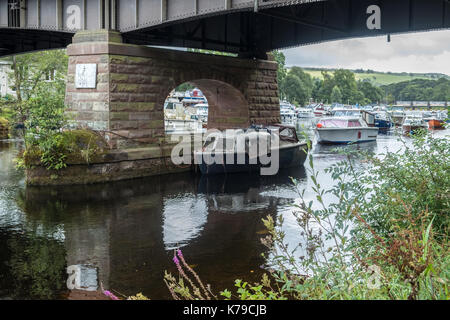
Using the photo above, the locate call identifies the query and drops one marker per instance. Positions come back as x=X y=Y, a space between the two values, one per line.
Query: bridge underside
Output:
x=254 y=33
x=242 y=30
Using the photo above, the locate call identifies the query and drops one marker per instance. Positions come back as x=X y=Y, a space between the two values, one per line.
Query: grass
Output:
x=377 y=78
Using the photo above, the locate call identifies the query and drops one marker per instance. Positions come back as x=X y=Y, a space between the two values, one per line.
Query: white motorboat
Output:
x=344 y=130
x=183 y=126
x=177 y=120
x=320 y=111
x=287 y=113
x=199 y=112
x=305 y=113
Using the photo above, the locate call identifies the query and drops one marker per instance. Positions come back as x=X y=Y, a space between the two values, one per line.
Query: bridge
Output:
x=247 y=27
x=117 y=80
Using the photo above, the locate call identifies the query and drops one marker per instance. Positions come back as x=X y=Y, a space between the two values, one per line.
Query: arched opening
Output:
x=199 y=104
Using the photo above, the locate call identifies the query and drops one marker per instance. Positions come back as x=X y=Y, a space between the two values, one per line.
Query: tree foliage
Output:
x=298 y=87
x=336 y=95
x=39 y=82
x=420 y=90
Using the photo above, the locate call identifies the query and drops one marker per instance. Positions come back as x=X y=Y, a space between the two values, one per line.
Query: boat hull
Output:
x=346 y=135
x=289 y=157
x=288 y=118
x=383 y=125
x=435 y=124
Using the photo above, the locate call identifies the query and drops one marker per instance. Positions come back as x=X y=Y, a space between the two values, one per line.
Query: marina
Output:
x=335 y=124
x=128 y=229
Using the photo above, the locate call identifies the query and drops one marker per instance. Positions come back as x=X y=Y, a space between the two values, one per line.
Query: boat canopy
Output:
x=345 y=112
x=243 y=139
x=340 y=123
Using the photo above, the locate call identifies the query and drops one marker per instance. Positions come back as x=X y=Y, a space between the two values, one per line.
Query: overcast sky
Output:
x=416 y=52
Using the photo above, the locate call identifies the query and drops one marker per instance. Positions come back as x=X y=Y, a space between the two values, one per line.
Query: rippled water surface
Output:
x=128 y=229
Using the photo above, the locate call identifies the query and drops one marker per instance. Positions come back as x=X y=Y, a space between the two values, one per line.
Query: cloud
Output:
x=414 y=52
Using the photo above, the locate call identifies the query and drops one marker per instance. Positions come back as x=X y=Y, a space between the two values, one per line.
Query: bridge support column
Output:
x=119 y=91
x=133 y=82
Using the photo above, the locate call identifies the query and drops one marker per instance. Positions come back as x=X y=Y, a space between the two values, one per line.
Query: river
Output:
x=128 y=229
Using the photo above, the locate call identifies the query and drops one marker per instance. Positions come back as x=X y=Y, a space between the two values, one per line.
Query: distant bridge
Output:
x=247 y=27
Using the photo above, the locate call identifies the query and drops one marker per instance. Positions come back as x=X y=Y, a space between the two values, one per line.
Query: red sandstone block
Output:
x=139 y=79
x=119 y=116
x=123 y=133
x=152 y=97
x=137 y=97
x=123 y=125
x=149 y=88
x=119 y=97
x=139 y=116
x=102 y=68
x=88 y=59
x=89 y=96
x=262 y=85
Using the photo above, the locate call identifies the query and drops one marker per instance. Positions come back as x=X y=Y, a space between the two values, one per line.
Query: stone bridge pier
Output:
x=123 y=95
x=134 y=81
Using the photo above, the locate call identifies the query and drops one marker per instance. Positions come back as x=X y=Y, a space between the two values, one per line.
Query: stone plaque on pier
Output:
x=86 y=76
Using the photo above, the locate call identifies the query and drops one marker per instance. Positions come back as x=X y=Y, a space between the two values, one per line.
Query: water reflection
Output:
x=127 y=229
x=184 y=219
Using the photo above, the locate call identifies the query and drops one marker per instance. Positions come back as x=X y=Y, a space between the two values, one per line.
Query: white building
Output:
x=5 y=68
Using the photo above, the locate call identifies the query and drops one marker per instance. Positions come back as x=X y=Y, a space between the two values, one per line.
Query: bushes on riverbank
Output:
x=62 y=148
x=4 y=128
x=384 y=234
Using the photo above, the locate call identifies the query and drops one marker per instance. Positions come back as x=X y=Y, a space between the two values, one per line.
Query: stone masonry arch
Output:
x=228 y=107
x=134 y=81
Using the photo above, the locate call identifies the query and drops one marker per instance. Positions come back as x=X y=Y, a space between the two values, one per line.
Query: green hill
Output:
x=380 y=78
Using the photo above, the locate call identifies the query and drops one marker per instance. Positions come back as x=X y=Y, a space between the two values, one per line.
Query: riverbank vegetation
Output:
x=37 y=113
x=384 y=234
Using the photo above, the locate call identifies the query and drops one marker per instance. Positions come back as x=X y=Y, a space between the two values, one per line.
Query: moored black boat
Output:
x=236 y=151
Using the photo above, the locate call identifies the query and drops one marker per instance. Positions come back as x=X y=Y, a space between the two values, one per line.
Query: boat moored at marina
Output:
x=248 y=150
x=413 y=123
x=320 y=111
x=397 y=115
x=344 y=130
x=287 y=113
x=383 y=121
x=305 y=113
x=199 y=112
x=183 y=126
x=435 y=120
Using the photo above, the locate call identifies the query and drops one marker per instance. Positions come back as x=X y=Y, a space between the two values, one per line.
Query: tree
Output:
x=185 y=87
x=294 y=89
x=39 y=75
x=336 y=95
x=317 y=85
x=345 y=80
x=281 y=72
x=307 y=83
x=371 y=93
x=327 y=85
x=420 y=89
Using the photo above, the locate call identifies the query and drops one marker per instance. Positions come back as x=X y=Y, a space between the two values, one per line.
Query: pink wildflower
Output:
x=110 y=295
x=176 y=261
